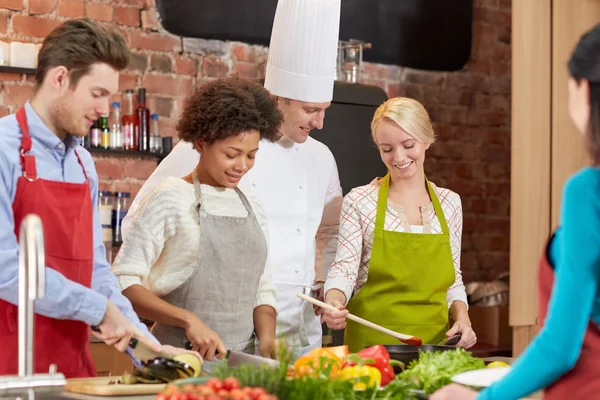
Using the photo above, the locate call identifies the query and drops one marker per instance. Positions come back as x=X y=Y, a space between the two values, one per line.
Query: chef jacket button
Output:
x=60 y=146
x=297 y=149
x=301 y=186
x=297 y=271
x=299 y=229
x=254 y=184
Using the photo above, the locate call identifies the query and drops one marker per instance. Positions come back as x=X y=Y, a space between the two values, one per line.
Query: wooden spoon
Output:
x=408 y=339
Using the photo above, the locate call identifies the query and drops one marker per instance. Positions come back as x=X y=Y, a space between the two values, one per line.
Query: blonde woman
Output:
x=398 y=255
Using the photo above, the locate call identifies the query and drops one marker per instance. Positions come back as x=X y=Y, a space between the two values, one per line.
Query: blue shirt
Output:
x=575 y=299
x=57 y=161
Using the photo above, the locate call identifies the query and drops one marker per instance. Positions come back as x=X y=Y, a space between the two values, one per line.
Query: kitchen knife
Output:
x=144 y=352
x=141 y=350
x=236 y=358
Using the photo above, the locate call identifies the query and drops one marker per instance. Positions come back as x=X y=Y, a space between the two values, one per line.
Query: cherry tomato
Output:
x=215 y=384
x=231 y=383
x=162 y=396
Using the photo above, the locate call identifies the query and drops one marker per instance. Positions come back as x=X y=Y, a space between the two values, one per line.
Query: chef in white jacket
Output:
x=296 y=179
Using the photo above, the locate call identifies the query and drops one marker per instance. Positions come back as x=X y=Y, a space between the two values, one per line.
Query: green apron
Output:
x=409 y=277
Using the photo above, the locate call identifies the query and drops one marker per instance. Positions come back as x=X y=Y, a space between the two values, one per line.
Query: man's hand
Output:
x=116 y=330
x=317 y=293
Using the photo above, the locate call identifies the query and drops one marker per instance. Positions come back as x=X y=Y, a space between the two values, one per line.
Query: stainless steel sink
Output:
x=32 y=279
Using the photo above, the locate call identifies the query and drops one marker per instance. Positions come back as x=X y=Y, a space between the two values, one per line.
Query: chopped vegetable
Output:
x=361 y=377
x=380 y=359
x=432 y=370
x=320 y=362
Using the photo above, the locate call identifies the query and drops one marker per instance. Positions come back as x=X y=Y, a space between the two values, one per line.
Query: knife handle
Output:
x=132 y=342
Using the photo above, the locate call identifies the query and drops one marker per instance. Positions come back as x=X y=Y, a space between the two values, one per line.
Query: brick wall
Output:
x=470 y=108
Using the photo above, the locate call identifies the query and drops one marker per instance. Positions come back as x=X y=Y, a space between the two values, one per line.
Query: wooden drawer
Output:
x=109 y=361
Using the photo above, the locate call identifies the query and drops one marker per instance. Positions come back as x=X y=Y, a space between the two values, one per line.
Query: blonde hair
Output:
x=408 y=114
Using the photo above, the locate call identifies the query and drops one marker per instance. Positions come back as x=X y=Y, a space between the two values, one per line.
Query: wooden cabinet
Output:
x=109 y=361
x=545 y=147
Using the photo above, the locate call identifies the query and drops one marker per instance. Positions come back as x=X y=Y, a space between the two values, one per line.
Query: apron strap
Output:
x=27 y=160
x=198 y=191
x=438 y=208
x=81 y=163
x=382 y=205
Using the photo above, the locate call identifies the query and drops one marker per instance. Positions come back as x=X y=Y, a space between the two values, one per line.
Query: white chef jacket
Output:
x=299 y=187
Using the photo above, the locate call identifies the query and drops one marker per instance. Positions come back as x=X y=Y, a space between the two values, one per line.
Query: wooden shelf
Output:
x=127 y=153
x=17 y=70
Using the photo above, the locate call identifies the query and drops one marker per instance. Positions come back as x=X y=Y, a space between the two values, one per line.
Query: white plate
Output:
x=481 y=377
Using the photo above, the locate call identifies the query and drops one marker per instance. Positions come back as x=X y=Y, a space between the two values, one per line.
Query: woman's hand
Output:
x=267 y=348
x=204 y=340
x=335 y=319
x=454 y=392
x=468 y=337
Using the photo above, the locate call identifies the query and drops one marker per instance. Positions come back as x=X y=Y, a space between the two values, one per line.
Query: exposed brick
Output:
x=395 y=90
x=185 y=66
x=149 y=19
x=71 y=8
x=17 y=95
x=245 y=70
x=127 y=16
x=99 y=11
x=33 y=26
x=132 y=187
x=12 y=4
x=161 y=63
x=109 y=168
x=155 y=41
x=139 y=168
x=3 y=23
x=167 y=128
x=127 y=81
x=161 y=106
x=41 y=6
x=7 y=77
x=205 y=47
x=138 y=62
x=178 y=86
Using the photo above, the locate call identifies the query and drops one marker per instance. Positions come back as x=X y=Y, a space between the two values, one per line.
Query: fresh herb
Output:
x=432 y=370
x=276 y=382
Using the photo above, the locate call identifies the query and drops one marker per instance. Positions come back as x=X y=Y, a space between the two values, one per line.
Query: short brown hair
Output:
x=227 y=107
x=77 y=44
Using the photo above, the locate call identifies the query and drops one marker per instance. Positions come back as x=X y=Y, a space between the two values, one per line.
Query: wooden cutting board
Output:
x=101 y=386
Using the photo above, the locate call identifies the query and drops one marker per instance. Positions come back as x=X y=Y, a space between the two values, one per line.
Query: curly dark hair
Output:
x=227 y=107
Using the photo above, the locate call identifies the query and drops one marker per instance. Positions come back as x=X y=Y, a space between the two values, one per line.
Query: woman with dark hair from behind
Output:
x=564 y=358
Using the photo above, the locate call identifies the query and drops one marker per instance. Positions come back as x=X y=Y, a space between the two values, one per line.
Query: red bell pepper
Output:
x=379 y=358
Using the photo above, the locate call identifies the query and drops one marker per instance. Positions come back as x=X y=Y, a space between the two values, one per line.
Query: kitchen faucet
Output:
x=32 y=283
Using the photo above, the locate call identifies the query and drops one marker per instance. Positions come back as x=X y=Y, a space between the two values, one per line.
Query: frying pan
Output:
x=406 y=353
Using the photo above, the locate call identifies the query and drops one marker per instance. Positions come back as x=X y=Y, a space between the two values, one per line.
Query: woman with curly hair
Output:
x=195 y=258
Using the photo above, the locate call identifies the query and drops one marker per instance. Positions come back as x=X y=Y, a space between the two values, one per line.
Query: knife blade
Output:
x=236 y=358
x=144 y=352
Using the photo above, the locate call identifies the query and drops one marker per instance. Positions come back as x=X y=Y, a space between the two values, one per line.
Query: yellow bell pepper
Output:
x=318 y=362
x=362 y=377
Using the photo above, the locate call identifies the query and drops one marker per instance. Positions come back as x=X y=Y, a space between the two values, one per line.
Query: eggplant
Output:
x=163 y=370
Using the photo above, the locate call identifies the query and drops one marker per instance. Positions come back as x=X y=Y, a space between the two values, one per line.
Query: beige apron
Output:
x=222 y=290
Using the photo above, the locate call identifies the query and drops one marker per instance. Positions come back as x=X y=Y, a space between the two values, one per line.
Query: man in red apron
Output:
x=44 y=171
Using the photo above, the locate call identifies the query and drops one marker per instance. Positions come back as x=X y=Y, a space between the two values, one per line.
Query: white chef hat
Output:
x=303 y=50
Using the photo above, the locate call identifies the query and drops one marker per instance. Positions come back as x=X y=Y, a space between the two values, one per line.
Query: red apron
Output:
x=66 y=213
x=583 y=381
